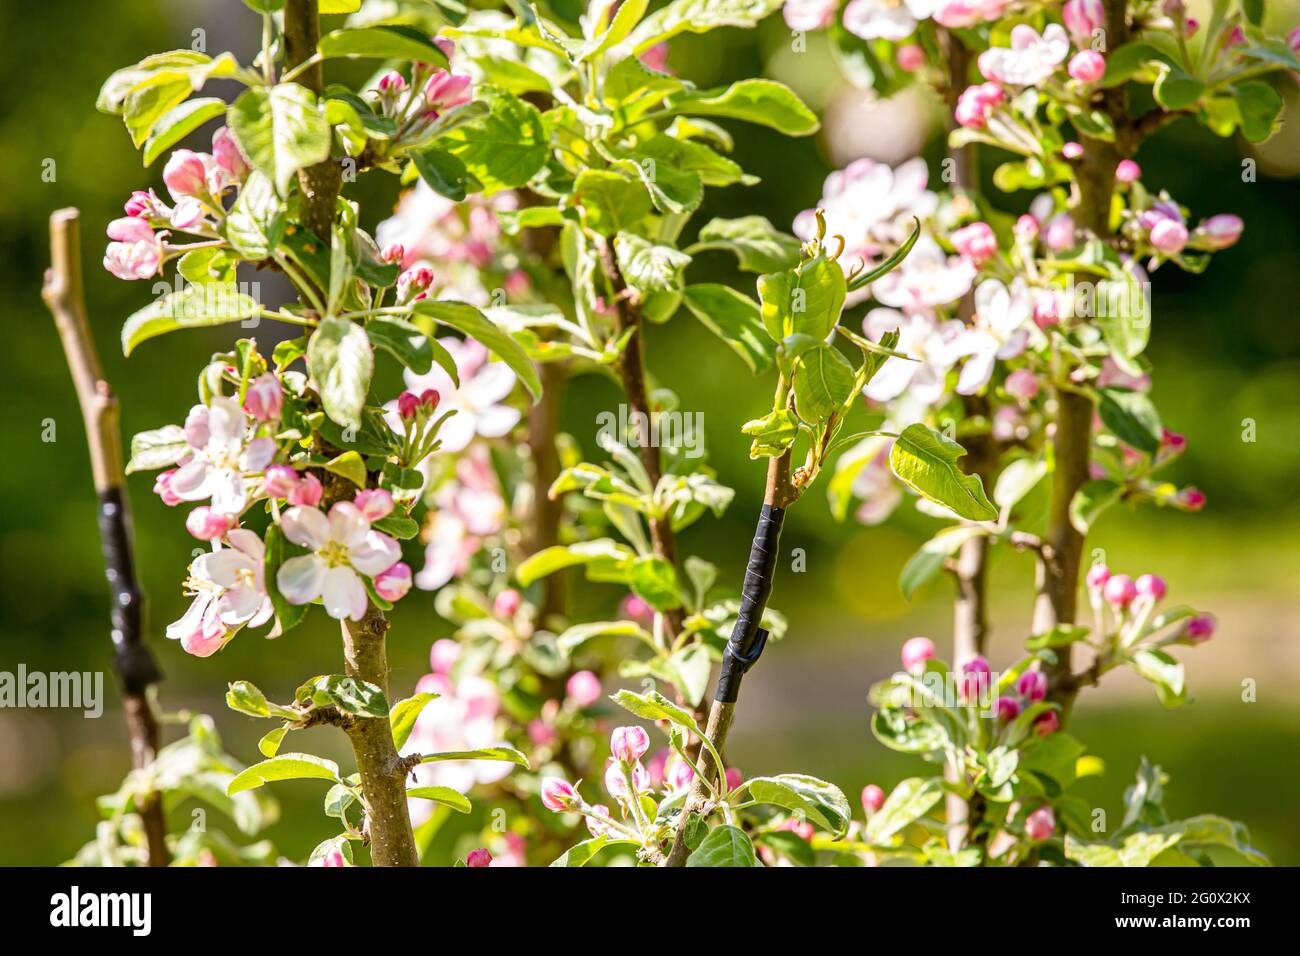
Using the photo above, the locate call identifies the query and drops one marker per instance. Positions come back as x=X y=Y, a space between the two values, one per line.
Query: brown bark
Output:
x=543 y=426
x=318 y=185
x=134 y=662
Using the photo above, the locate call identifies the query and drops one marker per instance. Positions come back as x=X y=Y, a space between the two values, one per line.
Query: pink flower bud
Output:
x=1087 y=67
x=629 y=744
x=800 y=828
x=1293 y=40
x=1059 y=234
x=446 y=90
x=144 y=205
x=393 y=254
x=1193 y=499
x=279 y=481
x=1032 y=685
x=734 y=778
x=975 y=680
x=188 y=213
x=1128 y=171
x=446 y=45
x=910 y=57
x=443 y=655
x=1190 y=26
x=392 y=83
x=1072 y=150
x=1026 y=228
x=1151 y=585
x=1200 y=628
x=1172 y=442
x=976 y=242
x=1097 y=577
x=1040 y=824
x=264 y=398
x=598 y=827
x=136 y=252
x=507 y=603
x=306 y=492
x=517 y=283
x=1047 y=310
x=227 y=154
x=1119 y=590
x=541 y=733
x=635 y=608
x=1007 y=709
x=1022 y=385
x=678 y=774
x=1047 y=724
x=185 y=174
x=392 y=585
x=1236 y=37
x=916 y=651
x=558 y=795
x=977 y=103
x=375 y=504
x=479 y=857
x=1219 y=232
x=873 y=798
x=583 y=689
x=1169 y=236
x=413 y=281
x=616 y=782
x=1082 y=17
x=408 y=405
x=430 y=398
x=162 y=487
x=206 y=524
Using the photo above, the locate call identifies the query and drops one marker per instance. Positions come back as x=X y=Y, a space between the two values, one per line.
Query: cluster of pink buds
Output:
x=1031 y=687
x=977 y=104
x=1164 y=227
x=1082 y=18
x=975 y=680
x=285 y=482
x=412 y=407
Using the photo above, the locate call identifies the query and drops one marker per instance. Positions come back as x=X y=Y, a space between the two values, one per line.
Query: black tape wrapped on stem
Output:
x=133 y=661
x=748 y=637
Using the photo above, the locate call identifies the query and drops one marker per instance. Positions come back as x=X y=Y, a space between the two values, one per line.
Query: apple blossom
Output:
x=229 y=593
x=162 y=488
x=873 y=798
x=220 y=457
x=393 y=583
x=1097 y=576
x=1041 y=824
x=307 y=491
x=927 y=278
x=583 y=688
x=1032 y=685
x=1047 y=724
x=1022 y=385
x=1151 y=586
x=808 y=15
x=374 y=503
x=1119 y=590
x=559 y=795
x=186 y=174
x=443 y=655
x=1072 y=150
x=999 y=332
x=976 y=242
x=446 y=90
x=136 y=251
x=412 y=283
x=1006 y=709
x=975 y=679
x=629 y=744
x=976 y=104
x=206 y=524
x=343 y=547
x=616 y=779
x=884 y=20
x=1082 y=18
x=1218 y=232
x=1031 y=58
x=477 y=401
x=264 y=398
x=228 y=155
x=1127 y=171
x=479 y=857
x=1200 y=628
x=916 y=651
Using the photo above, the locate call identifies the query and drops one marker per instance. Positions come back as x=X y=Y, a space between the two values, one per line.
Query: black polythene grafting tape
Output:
x=747 y=637
x=133 y=660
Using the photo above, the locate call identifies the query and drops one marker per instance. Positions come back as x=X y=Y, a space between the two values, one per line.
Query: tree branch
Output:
x=133 y=661
x=318 y=185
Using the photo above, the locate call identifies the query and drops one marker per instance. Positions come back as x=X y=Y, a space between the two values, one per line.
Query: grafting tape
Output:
x=134 y=662
x=748 y=638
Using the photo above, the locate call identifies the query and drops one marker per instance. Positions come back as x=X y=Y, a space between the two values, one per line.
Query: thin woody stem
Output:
x=134 y=662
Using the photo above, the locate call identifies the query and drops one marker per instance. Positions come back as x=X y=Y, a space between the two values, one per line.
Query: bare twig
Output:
x=134 y=662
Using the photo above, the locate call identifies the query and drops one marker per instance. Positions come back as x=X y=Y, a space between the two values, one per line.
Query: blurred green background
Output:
x=1226 y=347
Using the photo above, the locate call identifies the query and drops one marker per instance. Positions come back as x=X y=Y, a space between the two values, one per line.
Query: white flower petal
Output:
x=496 y=420
x=493 y=383
x=259 y=453
x=343 y=594
x=223 y=566
x=190 y=621
x=301 y=579
x=306 y=527
x=248 y=542
x=375 y=554
x=190 y=483
x=228 y=493
x=891 y=380
x=226 y=422
x=348 y=526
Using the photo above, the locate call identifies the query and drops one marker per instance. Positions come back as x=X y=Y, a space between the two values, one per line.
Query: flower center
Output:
x=334 y=554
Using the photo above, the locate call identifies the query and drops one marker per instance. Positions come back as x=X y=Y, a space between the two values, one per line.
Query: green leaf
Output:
x=925 y=461
x=287 y=616
x=820 y=802
x=397 y=526
x=1124 y=317
x=1017 y=480
x=280 y=130
x=445 y=173
x=647 y=266
x=157 y=448
x=256 y=222
x=339 y=6
x=912 y=799
x=1260 y=107
x=473 y=323
x=764 y=102
x=404 y=341
x=444 y=795
x=1090 y=501
x=269 y=745
x=193 y=307
x=611 y=200
x=1162 y=671
x=579 y=634
x=772 y=434
x=403 y=715
x=582 y=853
x=697 y=16
x=1060 y=635
x=178 y=123
x=823 y=382
x=806 y=300
x=628 y=15
x=504 y=147
x=931 y=557
x=389 y=42
x=507 y=754
x=655 y=580
x=1138 y=849
x=1132 y=417
x=758 y=245
x=348 y=465
x=1176 y=89
x=285 y=767
x=724 y=846
x=356 y=697
x=558 y=557
x=341 y=363
x=653 y=705
x=1129 y=60
x=734 y=318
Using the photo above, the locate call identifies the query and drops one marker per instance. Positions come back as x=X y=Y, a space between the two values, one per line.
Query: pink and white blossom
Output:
x=222 y=458
x=808 y=15
x=1031 y=58
x=136 y=251
x=1000 y=331
x=343 y=548
x=229 y=592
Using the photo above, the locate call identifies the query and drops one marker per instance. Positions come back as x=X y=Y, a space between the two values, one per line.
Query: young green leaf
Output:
x=926 y=461
x=280 y=130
